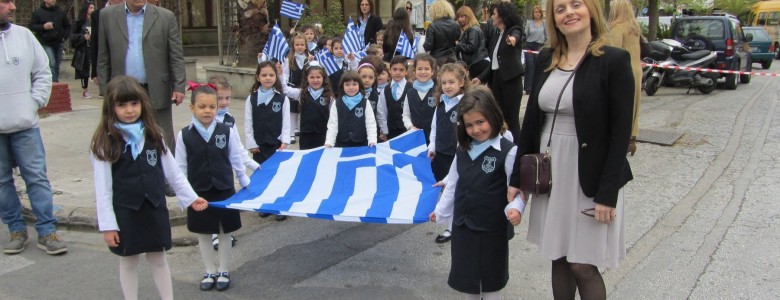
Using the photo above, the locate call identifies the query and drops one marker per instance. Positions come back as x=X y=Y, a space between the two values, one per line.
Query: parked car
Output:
x=762 y=50
x=725 y=34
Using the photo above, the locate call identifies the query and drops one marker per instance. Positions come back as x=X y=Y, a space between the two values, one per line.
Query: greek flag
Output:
x=362 y=53
x=404 y=47
x=292 y=10
x=353 y=41
x=327 y=61
x=276 y=46
x=389 y=183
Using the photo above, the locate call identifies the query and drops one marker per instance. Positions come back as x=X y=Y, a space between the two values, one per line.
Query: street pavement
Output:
x=701 y=222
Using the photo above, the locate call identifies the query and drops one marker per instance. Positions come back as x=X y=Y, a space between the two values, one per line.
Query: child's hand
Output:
x=440 y=184
x=514 y=216
x=283 y=146
x=254 y=150
x=476 y=81
x=383 y=137
x=200 y=204
x=371 y=144
x=279 y=68
x=432 y=217
x=431 y=154
x=351 y=56
x=328 y=146
x=311 y=57
x=111 y=237
x=413 y=127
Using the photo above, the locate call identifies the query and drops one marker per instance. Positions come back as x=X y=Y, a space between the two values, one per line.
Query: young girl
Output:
x=478 y=179
x=336 y=47
x=367 y=72
x=315 y=97
x=351 y=122
x=382 y=79
x=206 y=151
x=420 y=104
x=441 y=149
x=391 y=101
x=131 y=165
x=311 y=37
x=267 y=117
x=293 y=75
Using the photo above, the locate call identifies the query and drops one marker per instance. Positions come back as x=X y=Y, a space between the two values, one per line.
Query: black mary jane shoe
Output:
x=281 y=217
x=442 y=238
x=223 y=285
x=208 y=281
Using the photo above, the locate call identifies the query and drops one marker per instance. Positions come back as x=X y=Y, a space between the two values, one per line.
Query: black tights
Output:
x=568 y=277
x=84 y=83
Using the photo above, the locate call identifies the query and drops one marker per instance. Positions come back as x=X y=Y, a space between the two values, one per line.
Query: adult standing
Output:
x=399 y=23
x=505 y=50
x=471 y=46
x=25 y=81
x=443 y=34
x=624 y=33
x=93 y=47
x=368 y=23
x=52 y=27
x=535 y=37
x=143 y=41
x=579 y=224
x=80 y=40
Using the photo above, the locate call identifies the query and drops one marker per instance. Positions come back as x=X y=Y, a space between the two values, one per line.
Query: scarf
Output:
x=368 y=90
x=300 y=59
x=381 y=86
x=264 y=96
x=315 y=94
x=204 y=132
x=422 y=86
x=449 y=101
x=133 y=133
x=351 y=101
x=339 y=61
x=312 y=46
x=478 y=147
x=222 y=112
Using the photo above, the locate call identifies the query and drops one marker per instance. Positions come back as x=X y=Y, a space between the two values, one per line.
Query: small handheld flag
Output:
x=404 y=47
x=292 y=10
x=276 y=46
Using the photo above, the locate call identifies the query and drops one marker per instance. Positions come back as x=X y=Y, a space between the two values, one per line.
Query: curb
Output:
x=85 y=218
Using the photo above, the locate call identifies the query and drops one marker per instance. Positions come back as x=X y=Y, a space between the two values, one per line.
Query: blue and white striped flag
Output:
x=362 y=53
x=276 y=46
x=292 y=10
x=353 y=40
x=327 y=61
x=404 y=46
x=389 y=183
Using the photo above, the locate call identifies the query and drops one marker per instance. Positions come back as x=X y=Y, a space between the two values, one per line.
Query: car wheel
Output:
x=732 y=80
x=766 y=64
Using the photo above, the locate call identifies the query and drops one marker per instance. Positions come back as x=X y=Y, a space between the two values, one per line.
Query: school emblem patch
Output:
x=431 y=102
x=151 y=157
x=229 y=124
x=489 y=164
x=276 y=107
x=221 y=141
x=454 y=117
x=323 y=101
x=359 y=112
x=15 y=61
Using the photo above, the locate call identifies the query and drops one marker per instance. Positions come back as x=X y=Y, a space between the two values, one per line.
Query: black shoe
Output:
x=281 y=217
x=292 y=140
x=444 y=237
x=233 y=241
x=223 y=285
x=263 y=215
x=208 y=281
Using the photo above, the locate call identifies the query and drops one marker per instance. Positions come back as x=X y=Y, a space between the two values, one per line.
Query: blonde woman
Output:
x=624 y=33
x=471 y=46
x=535 y=37
x=443 y=33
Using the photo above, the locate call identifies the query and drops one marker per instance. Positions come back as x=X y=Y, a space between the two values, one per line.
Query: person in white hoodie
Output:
x=21 y=96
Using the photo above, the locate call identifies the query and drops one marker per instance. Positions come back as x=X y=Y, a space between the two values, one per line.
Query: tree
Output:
x=739 y=8
x=252 y=31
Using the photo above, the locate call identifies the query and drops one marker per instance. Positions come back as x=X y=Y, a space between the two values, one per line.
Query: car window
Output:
x=759 y=35
x=712 y=29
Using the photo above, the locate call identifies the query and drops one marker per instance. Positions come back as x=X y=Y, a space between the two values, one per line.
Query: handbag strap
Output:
x=549 y=140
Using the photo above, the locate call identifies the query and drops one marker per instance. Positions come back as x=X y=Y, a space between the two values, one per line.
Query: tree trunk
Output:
x=252 y=31
x=652 y=6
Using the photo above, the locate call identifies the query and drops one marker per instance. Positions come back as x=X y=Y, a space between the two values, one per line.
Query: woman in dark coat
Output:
x=471 y=46
x=399 y=23
x=368 y=24
x=443 y=34
x=80 y=35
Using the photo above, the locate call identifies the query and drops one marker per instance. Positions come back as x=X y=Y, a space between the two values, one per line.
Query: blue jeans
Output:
x=26 y=147
x=54 y=52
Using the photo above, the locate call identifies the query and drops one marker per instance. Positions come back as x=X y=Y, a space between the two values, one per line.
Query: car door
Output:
x=741 y=47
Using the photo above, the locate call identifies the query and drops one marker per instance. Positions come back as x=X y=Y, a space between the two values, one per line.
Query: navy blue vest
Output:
x=395 y=110
x=229 y=120
x=336 y=77
x=139 y=180
x=422 y=110
x=352 y=123
x=373 y=98
x=446 y=121
x=296 y=75
x=480 y=196
x=208 y=164
x=314 y=114
x=267 y=119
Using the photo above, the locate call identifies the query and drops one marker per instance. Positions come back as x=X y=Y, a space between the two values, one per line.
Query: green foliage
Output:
x=663 y=32
x=332 y=23
x=739 y=8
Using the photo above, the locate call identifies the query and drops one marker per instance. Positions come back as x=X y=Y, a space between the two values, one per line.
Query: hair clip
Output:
x=194 y=85
x=366 y=65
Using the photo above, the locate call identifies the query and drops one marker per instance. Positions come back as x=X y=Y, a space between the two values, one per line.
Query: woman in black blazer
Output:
x=579 y=225
x=505 y=49
x=367 y=23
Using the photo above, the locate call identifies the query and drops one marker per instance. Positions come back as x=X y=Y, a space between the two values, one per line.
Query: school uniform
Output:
x=443 y=136
x=351 y=127
x=336 y=77
x=418 y=111
x=373 y=99
x=313 y=118
x=266 y=124
x=390 y=109
x=208 y=166
x=230 y=121
x=130 y=198
x=293 y=72
x=475 y=198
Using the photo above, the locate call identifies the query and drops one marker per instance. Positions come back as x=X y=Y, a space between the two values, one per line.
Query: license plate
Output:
x=753 y=49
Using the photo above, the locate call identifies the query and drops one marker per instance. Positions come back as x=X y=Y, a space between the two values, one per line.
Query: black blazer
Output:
x=373 y=25
x=93 y=46
x=603 y=91
x=508 y=56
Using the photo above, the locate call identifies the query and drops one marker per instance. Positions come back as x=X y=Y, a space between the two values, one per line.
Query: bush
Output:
x=332 y=23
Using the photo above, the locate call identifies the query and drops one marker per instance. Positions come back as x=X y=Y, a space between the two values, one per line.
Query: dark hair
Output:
x=347 y=77
x=478 y=99
x=267 y=64
x=426 y=57
x=334 y=41
x=203 y=89
x=459 y=71
x=83 y=11
x=379 y=65
x=322 y=42
x=370 y=7
x=399 y=23
x=398 y=59
x=508 y=13
x=327 y=92
x=107 y=142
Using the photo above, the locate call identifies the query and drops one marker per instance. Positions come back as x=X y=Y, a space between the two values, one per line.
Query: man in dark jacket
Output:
x=51 y=27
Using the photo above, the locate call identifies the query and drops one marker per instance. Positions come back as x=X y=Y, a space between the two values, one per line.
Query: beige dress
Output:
x=555 y=222
x=620 y=36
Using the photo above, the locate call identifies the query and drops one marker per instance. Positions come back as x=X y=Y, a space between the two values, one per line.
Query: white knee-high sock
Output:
x=449 y=224
x=128 y=276
x=161 y=274
x=207 y=252
x=225 y=252
x=491 y=296
x=293 y=122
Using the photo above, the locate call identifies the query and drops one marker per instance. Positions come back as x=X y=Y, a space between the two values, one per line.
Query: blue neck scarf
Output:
x=351 y=101
x=315 y=94
x=478 y=147
x=222 y=112
x=339 y=61
x=381 y=86
x=300 y=59
x=449 y=101
x=264 y=96
x=133 y=133
x=423 y=86
x=204 y=132
x=312 y=45
x=368 y=90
